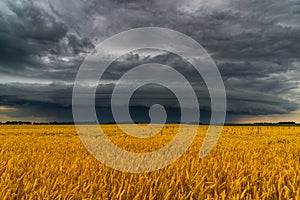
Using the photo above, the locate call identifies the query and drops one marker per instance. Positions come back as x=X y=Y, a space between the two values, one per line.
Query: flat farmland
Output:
x=248 y=162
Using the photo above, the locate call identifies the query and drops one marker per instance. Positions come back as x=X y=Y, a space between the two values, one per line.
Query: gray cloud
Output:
x=37 y=101
x=35 y=44
x=256 y=45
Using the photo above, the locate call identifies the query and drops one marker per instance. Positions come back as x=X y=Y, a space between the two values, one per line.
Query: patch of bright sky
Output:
x=193 y=6
x=6 y=108
x=293 y=116
x=4 y=118
x=7 y=79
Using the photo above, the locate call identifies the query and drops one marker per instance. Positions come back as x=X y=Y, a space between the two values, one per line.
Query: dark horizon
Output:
x=112 y=123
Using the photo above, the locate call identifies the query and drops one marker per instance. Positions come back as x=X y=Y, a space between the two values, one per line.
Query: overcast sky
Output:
x=255 y=45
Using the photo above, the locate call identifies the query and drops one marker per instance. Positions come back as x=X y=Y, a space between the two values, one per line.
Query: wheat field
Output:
x=248 y=162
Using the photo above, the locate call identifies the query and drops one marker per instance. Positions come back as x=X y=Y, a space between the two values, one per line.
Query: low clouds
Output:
x=255 y=44
x=36 y=44
x=36 y=101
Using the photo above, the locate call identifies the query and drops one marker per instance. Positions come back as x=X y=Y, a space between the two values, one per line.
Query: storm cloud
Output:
x=255 y=45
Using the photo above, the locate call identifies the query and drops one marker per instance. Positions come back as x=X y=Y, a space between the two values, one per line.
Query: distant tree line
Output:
x=288 y=123
x=34 y=123
x=66 y=123
x=17 y=123
x=272 y=124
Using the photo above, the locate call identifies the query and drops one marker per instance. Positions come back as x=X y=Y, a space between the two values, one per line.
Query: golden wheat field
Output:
x=248 y=162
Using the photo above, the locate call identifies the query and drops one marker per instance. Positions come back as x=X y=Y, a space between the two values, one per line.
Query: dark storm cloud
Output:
x=255 y=44
x=17 y=93
x=248 y=103
x=35 y=44
x=51 y=102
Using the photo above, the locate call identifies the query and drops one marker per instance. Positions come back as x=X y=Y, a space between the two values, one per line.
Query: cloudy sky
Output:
x=254 y=43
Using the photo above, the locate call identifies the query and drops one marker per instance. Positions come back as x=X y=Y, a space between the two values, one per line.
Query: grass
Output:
x=248 y=162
